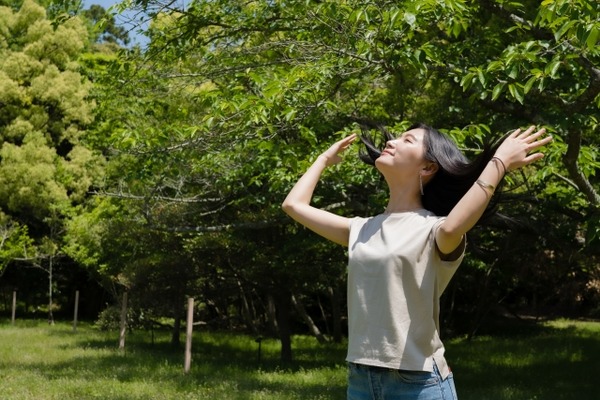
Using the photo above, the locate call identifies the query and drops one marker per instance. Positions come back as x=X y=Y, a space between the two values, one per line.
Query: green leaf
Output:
x=542 y=84
x=290 y=113
x=498 y=90
x=481 y=77
x=456 y=29
x=563 y=29
x=552 y=68
x=592 y=38
x=394 y=17
x=494 y=66
x=537 y=72
x=529 y=84
x=467 y=81
x=514 y=71
x=516 y=92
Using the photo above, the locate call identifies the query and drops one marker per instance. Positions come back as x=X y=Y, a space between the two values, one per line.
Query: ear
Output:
x=429 y=169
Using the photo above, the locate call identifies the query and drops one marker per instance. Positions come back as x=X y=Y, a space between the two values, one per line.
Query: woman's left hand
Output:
x=515 y=150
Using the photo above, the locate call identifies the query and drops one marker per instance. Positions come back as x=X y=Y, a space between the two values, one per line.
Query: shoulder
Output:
x=416 y=223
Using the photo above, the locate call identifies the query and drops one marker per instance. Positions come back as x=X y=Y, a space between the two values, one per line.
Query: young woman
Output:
x=400 y=262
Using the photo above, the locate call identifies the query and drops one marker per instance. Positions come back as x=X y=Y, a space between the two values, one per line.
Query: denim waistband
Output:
x=367 y=367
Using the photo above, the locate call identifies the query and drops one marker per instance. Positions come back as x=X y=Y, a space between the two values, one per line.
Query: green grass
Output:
x=555 y=360
x=44 y=362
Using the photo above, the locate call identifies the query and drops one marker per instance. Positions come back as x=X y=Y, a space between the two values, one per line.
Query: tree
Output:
x=14 y=241
x=104 y=27
x=539 y=62
x=231 y=98
x=45 y=168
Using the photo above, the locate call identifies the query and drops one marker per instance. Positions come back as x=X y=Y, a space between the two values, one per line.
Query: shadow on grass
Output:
x=528 y=360
x=222 y=363
x=517 y=360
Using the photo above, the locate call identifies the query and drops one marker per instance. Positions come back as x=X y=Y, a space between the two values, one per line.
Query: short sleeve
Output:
x=455 y=255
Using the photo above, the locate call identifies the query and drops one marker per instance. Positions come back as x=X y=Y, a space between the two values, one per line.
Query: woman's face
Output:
x=404 y=154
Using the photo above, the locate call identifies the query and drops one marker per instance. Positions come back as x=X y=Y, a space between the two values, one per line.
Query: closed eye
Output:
x=408 y=138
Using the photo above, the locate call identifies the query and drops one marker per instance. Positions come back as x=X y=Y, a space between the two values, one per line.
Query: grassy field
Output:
x=555 y=360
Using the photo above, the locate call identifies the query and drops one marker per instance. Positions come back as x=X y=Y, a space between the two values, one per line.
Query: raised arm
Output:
x=297 y=203
x=513 y=153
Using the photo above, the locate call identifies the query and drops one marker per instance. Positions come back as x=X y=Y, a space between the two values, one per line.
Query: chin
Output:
x=383 y=162
x=381 y=165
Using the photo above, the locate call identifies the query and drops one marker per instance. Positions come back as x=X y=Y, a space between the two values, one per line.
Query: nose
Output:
x=390 y=144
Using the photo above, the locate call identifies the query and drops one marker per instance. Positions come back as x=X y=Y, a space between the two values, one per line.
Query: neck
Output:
x=404 y=199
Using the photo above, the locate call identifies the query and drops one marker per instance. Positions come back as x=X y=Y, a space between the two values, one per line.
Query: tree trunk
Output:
x=336 y=313
x=175 y=335
x=283 y=306
x=484 y=305
x=246 y=314
x=272 y=315
x=50 y=301
x=324 y=317
x=307 y=319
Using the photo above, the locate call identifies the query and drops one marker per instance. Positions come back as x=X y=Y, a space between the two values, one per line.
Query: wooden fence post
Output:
x=76 y=311
x=123 y=322
x=188 y=338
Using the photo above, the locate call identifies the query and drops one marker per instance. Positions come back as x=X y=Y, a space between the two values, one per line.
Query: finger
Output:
x=533 y=158
x=346 y=142
x=539 y=143
x=515 y=133
x=527 y=132
x=535 y=136
x=545 y=140
x=349 y=139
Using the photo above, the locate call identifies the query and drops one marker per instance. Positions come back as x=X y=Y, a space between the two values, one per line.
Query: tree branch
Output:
x=593 y=72
x=570 y=161
x=592 y=90
x=129 y=196
x=220 y=228
x=574 y=107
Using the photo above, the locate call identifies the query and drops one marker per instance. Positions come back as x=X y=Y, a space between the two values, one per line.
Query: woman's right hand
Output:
x=332 y=155
x=297 y=203
x=520 y=148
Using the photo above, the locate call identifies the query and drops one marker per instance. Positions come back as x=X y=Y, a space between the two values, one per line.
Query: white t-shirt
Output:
x=395 y=280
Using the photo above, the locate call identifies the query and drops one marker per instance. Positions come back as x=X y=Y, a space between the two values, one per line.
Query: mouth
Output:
x=386 y=151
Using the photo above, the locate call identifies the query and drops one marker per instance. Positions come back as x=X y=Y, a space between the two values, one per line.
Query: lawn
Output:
x=553 y=360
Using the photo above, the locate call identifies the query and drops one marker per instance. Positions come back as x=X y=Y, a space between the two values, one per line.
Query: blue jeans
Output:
x=376 y=383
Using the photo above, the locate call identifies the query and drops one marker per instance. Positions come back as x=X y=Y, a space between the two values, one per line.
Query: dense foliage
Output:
x=207 y=128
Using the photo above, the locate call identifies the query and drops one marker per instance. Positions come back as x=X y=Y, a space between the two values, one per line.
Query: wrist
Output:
x=500 y=165
x=322 y=159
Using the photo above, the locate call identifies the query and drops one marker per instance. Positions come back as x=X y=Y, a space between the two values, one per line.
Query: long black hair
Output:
x=455 y=175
